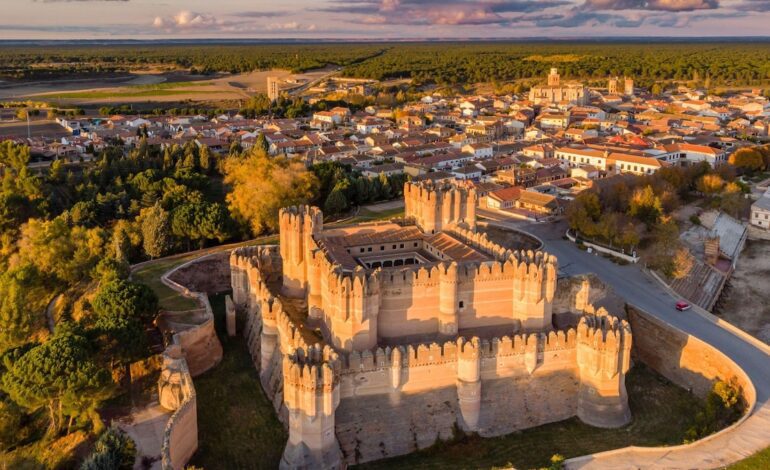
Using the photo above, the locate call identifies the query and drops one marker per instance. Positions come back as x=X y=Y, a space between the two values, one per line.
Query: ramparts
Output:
x=356 y=406
x=357 y=309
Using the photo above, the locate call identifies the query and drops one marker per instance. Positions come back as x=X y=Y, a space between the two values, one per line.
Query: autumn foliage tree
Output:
x=262 y=185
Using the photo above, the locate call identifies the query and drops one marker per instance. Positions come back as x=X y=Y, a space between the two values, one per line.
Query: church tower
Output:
x=553 y=78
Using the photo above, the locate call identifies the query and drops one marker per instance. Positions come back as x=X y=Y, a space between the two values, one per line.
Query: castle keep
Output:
x=377 y=339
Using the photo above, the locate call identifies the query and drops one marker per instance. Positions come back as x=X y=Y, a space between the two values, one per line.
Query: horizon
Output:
x=385 y=20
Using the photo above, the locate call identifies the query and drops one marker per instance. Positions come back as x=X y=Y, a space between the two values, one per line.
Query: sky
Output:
x=379 y=19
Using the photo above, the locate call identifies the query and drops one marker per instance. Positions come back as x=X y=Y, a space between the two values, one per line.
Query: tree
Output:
x=201 y=221
x=335 y=202
x=749 y=159
x=156 y=231
x=645 y=205
x=710 y=184
x=21 y=302
x=262 y=185
x=262 y=144
x=205 y=158
x=59 y=375
x=114 y=450
x=682 y=263
x=126 y=299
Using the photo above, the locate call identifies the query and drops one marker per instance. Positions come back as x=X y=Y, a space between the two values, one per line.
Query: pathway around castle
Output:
x=641 y=290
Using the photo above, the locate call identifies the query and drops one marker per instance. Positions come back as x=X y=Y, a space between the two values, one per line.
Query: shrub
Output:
x=695 y=220
x=113 y=451
x=724 y=405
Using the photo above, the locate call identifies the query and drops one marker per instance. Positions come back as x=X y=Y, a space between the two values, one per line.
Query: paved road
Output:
x=641 y=290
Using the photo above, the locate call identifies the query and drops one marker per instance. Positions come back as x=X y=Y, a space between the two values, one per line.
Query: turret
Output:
x=448 y=301
x=603 y=357
x=435 y=207
x=311 y=394
x=298 y=224
x=469 y=383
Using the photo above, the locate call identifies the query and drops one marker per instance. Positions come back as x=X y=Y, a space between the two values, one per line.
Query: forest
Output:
x=722 y=63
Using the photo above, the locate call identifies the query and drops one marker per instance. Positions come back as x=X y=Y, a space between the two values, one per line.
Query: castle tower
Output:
x=553 y=78
x=612 y=86
x=448 y=303
x=434 y=207
x=298 y=224
x=353 y=309
x=534 y=287
x=469 y=383
x=311 y=394
x=603 y=357
x=628 y=88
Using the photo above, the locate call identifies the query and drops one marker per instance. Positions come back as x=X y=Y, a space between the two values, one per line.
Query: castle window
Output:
x=402 y=245
x=462 y=304
x=370 y=249
x=415 y=244
x=363 y=249
x=394 y=247
x=382 y=247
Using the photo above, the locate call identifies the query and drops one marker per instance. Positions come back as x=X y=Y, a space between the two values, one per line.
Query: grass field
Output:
x=756 y=461
x=237 y=427
x=662 y=413
x=170 y=299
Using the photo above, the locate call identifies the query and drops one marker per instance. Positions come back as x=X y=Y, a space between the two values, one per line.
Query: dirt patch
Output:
x=745 y=301
x=511 y=239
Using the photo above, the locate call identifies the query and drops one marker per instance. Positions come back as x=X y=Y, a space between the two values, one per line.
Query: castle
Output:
x=556 y=92
x=377 y=339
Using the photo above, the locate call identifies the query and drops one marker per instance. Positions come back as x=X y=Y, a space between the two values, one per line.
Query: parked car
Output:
x=682 y=306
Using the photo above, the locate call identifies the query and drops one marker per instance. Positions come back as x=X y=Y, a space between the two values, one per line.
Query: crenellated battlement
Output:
x=398 y=314
x=437 y=206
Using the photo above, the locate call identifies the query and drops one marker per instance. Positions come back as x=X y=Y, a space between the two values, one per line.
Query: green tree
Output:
x=156 y=231
x=126 y=299
x=335 y=202
x=114 y=450
x=10 y=424
x=22 y=294
x=61 y=376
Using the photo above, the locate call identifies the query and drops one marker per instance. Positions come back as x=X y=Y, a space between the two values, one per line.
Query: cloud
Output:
x=64 y=1
x=753 y=5
x=187 y=20
x=291 y=26
x=259 y=14
x=439 y=12
x=652 y=5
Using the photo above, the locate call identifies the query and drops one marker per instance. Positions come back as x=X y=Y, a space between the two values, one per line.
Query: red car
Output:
x=682 y=306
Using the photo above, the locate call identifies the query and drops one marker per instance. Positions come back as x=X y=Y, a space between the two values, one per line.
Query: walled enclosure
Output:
x=364 y=363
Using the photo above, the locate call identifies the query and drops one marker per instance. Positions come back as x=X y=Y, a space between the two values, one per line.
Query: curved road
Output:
x=641 y=290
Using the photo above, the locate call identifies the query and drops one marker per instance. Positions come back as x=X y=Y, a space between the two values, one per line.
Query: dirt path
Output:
x=746 y=300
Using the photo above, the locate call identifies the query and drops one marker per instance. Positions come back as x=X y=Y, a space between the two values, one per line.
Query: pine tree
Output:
x=156 y=231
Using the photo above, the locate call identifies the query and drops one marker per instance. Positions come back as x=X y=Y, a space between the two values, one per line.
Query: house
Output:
x=627 y=163
x=504 y=198
x=478 y=150
x=467 y=172
x=760 y=213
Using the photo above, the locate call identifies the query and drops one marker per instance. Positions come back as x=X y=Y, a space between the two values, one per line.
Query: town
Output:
x=343 y=271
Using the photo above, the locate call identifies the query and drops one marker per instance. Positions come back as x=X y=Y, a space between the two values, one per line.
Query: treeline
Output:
x=54 y=61
x=341 y=188
x=461 y=63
